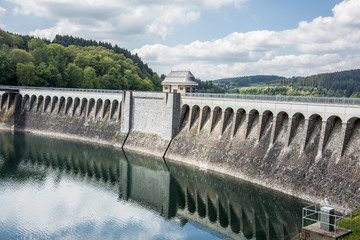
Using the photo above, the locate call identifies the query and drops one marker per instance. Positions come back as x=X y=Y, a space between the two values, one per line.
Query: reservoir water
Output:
x=61 y=189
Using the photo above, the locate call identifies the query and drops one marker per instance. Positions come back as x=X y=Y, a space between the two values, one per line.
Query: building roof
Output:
x=179 y=78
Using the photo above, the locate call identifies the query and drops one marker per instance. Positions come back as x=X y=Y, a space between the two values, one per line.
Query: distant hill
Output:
x=336 y=84
x=232 y=84
x=342 y=84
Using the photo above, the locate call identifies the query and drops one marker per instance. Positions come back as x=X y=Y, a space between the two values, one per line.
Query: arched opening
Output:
x=191 y=202
x=352 y=134
x=47 y=103
x=99 y=104
x=281 y=125
x=211 y=211
x=84 y=103
x=25 y=102
x=313 y=130
x=297 y=126
x=234 y=220
x=61 y=105
x=195 y=112
x=253 y=120
x=69 y=102
x=76 y=106
x=91 y=106
x=217 y=113
x=32 y=102
x=184 y=116
x=106 y=108
x=228 y=118
x=239 y=120
x=204 y=117
x=54 y=103
x=201 y=206
x=266 y=122
x=223 y=216
x=39 y=103
x=332 y=131
x=114 y=109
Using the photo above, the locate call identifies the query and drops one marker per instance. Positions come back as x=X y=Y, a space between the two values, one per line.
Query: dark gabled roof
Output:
x=179 y=78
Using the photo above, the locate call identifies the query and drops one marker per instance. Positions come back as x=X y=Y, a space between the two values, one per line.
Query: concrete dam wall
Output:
x=145 y=121
x=307 y=150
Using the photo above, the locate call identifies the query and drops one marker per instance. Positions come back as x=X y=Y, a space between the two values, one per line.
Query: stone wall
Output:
x=315 y=159
x=151 y=119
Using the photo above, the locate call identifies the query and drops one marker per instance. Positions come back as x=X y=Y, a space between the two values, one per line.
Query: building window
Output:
x=166 y=88
x=193 y=89
x=188 y=89
x=181 y=88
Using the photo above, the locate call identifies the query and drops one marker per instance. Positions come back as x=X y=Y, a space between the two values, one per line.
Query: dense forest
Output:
x=231 y=85
x=337 y=84
x=208 y=87
x=72 y=62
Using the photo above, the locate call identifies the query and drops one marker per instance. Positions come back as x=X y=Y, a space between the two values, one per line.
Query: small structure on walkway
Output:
x=179 y=81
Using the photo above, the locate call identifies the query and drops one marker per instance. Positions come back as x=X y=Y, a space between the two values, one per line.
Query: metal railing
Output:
x=324 y=100
x=59 y=89
x=312 y=214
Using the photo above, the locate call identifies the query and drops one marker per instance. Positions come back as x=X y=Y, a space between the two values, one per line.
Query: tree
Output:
x=74 y=76
x=90 y=79
x=6 y=71
x=25 y=73
x=38 y=49
x=20 y=56
x=55 y=79
x=43 y=75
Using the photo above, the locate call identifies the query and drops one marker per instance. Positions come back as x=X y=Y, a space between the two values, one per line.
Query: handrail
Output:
x=314 y=210
x=60 y=89
x=324 y=100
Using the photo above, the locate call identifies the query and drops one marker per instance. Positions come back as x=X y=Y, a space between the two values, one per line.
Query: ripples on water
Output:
x=56 y=189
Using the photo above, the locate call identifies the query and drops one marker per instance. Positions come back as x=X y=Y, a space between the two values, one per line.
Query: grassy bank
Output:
x=355 y=226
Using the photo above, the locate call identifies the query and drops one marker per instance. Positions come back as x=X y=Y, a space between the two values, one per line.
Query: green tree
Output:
x=38 y=49
x=43 y=75
x=6 y=71
x=25 y=73
x=57 y=57
x=19 y=42
x=55 y=79
x=20 y=56
x=74 y=76
x=147 y=85
x=90 y=79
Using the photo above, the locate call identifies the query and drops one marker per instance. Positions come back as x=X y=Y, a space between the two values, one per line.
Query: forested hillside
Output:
x=231 y=85
x=337 y=84
x=71 y=62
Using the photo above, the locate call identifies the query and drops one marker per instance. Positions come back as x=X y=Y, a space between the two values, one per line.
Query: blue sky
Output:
x=214 y=39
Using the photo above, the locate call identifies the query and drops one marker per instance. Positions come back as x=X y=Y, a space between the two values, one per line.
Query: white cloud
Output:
x=321 y=45
x=111 y=19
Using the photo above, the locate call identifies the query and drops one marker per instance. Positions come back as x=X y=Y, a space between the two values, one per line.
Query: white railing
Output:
x=324 y=100
x=312 y=214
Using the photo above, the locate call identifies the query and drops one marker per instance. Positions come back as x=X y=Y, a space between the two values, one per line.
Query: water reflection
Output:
x=181 y=194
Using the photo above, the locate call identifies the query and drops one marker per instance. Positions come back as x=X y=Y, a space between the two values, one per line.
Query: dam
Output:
x=305 y=147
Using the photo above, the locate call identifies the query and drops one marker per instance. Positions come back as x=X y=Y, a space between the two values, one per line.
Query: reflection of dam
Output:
x=179 y=193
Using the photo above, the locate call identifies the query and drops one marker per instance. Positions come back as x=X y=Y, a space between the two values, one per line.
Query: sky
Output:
x=211 y=38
